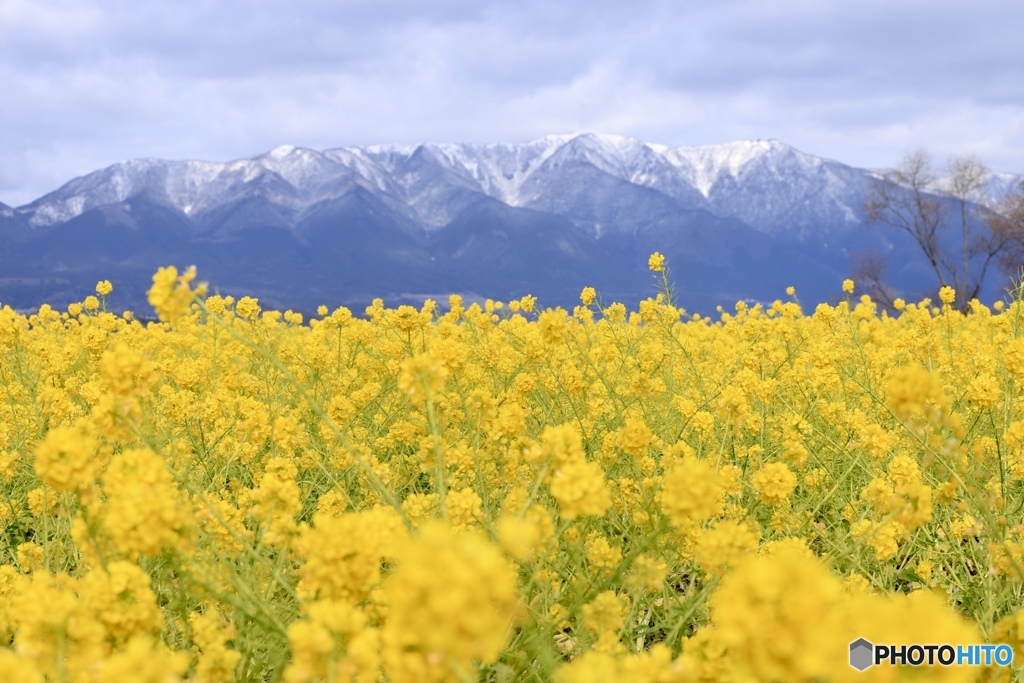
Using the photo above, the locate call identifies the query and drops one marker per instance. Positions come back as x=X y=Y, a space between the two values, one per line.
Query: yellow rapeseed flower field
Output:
x=507 y=492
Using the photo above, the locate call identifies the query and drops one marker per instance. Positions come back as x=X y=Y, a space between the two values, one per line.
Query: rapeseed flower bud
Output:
x=510 y=420
x=519 y=537
x=451 y=601
x=690 y=493
x=725 y=544
x=247 y=308
x=984 y=390
x=216 y=305
x=121 y=598
x=634 y=437
x=788 y=544
x=8 y=463
x=422 y=376
x=561 y=444
x=912 y=391
x=553 y=325
x=126 y=371
x=886 y=540
x=605 y=614
x=601 y=555
x=647 y=573
x=68 y=457
x=924 y=570
x=52 y=626
x=171 y=294
x=656 y=262
x=615 y=313
x=581 y=489
x=780 y=617
x=334 y=641
x=222 y=523
x=774 y=483
x=464 y=508
x=144 y=513
x=343 y=554
x=874 y=439
x=965 y=527
x=903 y=470
x=405 y=319
x=276 y=501
x=592 y=666
x=418 y=507
x=144 y=659
x=30 y=556
x=19 y=667
x=1013 y=357
x=211 y=631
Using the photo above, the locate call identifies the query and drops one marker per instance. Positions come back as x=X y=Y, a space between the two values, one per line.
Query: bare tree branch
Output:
x=910 y=199
x=869 y=272
x=967 y=177
x=1006 y=224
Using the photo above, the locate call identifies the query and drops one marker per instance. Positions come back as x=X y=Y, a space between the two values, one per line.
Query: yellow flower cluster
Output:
x=452 y=600
x=171 y=294
x=502 y=491
x=578 y=486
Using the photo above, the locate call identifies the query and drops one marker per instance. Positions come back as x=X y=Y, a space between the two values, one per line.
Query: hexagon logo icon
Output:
x=861 y=654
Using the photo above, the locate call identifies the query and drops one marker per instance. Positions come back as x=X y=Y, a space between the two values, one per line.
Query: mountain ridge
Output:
x=702 y=167
x=738 y=220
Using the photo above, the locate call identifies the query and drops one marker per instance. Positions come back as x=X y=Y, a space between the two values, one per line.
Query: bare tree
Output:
x=1006 y=224
x=869 y=272
x=967 y=178
x=910 y=199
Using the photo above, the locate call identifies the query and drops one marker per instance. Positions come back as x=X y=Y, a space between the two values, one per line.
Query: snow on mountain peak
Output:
x=110 y=185
x=298 y=166
x=281 y=151
x=762 y=182
x=706 y=165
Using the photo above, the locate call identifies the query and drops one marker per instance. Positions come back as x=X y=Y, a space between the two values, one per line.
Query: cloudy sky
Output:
x=86 y=83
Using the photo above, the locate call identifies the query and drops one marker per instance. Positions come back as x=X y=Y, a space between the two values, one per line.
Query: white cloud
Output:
x=91 y=82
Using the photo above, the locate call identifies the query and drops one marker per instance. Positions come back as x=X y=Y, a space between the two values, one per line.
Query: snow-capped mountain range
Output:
x=706 y=178
x=299 y=227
